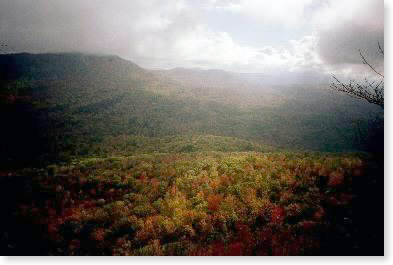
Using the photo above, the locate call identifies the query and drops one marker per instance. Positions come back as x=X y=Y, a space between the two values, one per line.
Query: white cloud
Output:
x=336 y=13
x=202 y=47
x=156 y=33
x=283 y=12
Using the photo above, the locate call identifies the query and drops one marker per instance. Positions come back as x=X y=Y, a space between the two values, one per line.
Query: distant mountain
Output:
x=224 y=87
x=55 y=106
x=198 y=77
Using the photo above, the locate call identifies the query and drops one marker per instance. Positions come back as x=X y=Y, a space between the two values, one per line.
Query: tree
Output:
x=370 y=136
x=372 y=91
x=369 y=190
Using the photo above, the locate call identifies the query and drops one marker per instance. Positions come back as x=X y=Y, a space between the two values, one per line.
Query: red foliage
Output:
x=308 y=225
x=143 y=178
x=235 y=249
x=264 y=236
x=52 y=228
x=345 y=198
x=93 y=192
x=82 y=181
x=277 y=215
x=214 y=201
x=263 y=241
x=280 y=243
x=74 y=244
x=336 y=179
x=244 y=232
x=73 y=214
x=217 y=249
x=319 y=214
x=332 y=201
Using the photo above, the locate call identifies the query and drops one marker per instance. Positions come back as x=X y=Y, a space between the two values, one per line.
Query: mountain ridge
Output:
x=66 y=103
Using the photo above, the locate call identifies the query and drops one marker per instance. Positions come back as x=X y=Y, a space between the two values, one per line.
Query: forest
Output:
x=100 y=156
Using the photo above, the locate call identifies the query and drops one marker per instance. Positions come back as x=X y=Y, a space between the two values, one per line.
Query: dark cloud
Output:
x=126 y=28
x=340 y=43
x=42 y=26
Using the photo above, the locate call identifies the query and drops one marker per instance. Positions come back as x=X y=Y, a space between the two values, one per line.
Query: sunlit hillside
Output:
x=209 y=203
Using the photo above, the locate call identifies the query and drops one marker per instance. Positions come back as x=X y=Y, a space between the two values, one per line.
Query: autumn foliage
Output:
x=191 y=204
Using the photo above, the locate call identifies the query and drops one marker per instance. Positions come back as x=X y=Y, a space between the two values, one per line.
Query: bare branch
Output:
x=369 y=65
x=373 y=94
x=380 y=49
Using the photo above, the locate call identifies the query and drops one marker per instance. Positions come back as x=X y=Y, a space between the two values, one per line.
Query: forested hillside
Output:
x=56 y=106
x=102 y=157
x=201 y=203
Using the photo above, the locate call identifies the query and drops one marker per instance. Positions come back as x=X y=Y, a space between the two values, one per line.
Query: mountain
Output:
x=56 y=106
x=225 y=87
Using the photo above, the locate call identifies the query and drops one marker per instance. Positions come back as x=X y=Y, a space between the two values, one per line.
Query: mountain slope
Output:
x=61 y=105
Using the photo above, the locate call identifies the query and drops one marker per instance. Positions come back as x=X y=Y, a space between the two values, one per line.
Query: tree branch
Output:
x=369 y=65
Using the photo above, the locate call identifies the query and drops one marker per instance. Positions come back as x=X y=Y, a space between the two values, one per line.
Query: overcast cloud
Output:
x=239 y=35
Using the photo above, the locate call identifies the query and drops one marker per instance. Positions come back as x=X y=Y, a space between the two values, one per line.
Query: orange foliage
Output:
x=336 y=178
x=98 y=234
x=155 y=183
x=243 y=221
x=214 y=201
x=173 y=190
x=248 y=168
x=214 y=184
x=225 y=180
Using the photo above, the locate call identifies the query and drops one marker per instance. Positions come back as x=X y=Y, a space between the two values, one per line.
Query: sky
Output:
x=264 y=36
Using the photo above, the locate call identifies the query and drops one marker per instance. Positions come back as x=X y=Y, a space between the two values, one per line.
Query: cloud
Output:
x=153 y=33
x=284 y=12
x=345 y=27
x=321 y=36
x=94 y=26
